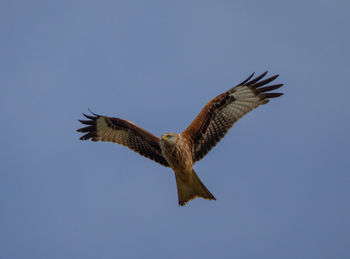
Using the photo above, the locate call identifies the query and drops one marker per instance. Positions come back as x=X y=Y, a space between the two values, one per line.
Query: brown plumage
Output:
x=181 y=151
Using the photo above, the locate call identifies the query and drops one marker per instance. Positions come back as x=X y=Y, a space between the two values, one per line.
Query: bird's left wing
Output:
x=219 y=115
x=126 y=133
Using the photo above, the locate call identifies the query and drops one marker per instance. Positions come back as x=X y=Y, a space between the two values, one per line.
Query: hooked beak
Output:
x=164 y=137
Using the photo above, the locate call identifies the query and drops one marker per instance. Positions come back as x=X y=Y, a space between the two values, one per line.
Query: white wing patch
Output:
x=105 y=133
x=245 y=101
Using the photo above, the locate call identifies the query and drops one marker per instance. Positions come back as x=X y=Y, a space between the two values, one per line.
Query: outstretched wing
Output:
x=123 y=132
x=219 y=115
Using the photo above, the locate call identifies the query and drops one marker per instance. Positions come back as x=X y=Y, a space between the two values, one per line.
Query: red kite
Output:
x=181 y=151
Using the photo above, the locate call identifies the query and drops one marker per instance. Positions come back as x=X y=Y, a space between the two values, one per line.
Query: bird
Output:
x=181 y=151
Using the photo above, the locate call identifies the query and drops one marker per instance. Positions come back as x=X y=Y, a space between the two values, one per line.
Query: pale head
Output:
x=169 y=139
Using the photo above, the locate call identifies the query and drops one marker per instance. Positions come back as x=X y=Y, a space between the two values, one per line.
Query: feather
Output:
x=125 y=133
x=219 y=115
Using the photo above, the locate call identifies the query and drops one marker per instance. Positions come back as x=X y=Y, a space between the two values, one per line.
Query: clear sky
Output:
x=281 y=176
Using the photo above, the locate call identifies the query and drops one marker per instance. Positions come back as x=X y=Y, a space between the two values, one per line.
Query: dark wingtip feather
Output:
x=268 y=88
x=87 y=129
x=264 y=82
x=87 y=122
x=93 y=113
x=257 y=78
x=270 y=95
x=90 y=130
x=264 y=92
x=88 y=136
x=246 y=80
x=90 y=117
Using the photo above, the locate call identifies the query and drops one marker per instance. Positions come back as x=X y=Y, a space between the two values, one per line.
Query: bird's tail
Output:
x=188 y=190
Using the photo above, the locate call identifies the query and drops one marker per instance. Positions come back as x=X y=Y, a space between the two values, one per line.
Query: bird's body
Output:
x=181 y=151
x=177 y=150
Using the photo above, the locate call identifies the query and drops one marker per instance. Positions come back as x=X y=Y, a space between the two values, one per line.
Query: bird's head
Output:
x=169 y=138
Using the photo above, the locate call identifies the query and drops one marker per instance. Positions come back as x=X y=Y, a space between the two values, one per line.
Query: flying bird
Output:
x=181 y=151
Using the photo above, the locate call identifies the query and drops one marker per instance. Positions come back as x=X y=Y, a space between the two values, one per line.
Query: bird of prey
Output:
x=181 y=151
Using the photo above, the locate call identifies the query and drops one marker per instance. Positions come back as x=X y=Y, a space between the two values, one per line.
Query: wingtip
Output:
x=258 y=78
x=270 y=95
x=265 y=73
x=247 y=79
x=275 y=76
x=93 y=113
x=90 y=117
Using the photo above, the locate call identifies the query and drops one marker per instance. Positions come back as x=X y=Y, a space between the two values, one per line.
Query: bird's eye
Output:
x=168 y=136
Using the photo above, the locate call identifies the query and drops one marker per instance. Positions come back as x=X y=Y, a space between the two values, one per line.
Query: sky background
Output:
x=281 y=175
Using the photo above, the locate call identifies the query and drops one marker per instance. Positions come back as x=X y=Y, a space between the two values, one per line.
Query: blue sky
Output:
x=281 y=175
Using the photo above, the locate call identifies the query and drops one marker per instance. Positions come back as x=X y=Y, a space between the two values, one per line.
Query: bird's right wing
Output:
x=126 y=133
x=219 y=115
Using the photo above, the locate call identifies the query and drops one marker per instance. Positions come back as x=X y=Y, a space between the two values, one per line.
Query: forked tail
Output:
x=191 y=189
